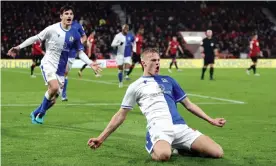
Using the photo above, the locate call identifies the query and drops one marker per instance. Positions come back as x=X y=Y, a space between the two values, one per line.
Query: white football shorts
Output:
x=120 y=60
x=49 y=73
x=180 y=136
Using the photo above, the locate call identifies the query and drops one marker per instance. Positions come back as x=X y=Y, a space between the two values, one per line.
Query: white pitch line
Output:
x=96 y=104
x=111 y=83
x=87 y=80
x=217 y=98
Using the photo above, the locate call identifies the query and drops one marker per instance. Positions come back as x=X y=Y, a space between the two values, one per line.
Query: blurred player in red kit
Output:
x=90 y=51
x=37 y=55
x=173 y=47
x=254 y=53
x=137 y=49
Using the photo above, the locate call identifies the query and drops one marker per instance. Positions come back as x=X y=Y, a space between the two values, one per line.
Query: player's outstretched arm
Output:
x=114 y=123
x=13 y=51
x=193 y=108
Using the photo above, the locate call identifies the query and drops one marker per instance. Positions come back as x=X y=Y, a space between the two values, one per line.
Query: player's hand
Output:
x=94 y=143
x=96 y=67
x=167 y=54
x=13 y=51
x=219 y=122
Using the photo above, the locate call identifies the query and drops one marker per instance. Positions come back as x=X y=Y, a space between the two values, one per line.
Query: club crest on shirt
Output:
x=212 y=44
x=71 y=38
x=164 y=80
x=161 y=88
x=129 y=38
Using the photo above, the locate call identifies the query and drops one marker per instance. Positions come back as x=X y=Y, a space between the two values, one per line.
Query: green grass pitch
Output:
x=249 y=137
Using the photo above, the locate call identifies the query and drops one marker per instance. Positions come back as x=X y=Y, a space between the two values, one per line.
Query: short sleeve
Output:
x=129 y=98
x=202 y=42
x=44 y=34
x=78 y=45
x=81 y=30
x=177 y=92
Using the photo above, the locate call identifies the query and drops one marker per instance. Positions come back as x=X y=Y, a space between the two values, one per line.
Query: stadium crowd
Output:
x=232 y=28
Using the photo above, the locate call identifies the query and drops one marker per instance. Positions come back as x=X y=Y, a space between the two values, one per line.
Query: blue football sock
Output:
x=45 y=104
x=64 y=95
x=37 y=110
x=120 y=76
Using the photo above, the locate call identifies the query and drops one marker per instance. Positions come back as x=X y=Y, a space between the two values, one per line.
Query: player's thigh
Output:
x=127 y=61
x=207 y=147
x=184 y=137
x=159 y=144
x=50 y=78
x=254 y=59
x=119 y=60
x=60 y=80
x=34 y=60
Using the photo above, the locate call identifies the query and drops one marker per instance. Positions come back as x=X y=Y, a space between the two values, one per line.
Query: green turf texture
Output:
x=248 y=138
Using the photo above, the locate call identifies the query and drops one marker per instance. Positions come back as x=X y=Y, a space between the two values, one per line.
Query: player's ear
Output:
x=60 y=16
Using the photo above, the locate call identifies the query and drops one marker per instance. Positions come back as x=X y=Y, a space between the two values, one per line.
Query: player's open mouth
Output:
x=69 y=19
x=157 y=69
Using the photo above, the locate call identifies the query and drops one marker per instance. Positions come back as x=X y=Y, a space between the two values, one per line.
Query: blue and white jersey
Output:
x=58 y=43
x=125 y=49
x=80 y=29
x=157 y=97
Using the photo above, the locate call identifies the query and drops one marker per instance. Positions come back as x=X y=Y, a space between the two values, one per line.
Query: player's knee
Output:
x=162 y=156
x=54 y=88
x=217 y=152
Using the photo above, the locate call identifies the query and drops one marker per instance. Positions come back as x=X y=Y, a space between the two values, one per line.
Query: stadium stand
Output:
x=161 y=20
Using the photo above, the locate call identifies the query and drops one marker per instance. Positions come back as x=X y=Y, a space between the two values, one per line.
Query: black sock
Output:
x=171 y=65
x=254 y=69
x=175 y=63
x=83 y=67
x=32 y=69
x=251 y=67
x=203 y=72
x=211 y=72
x=130 y=69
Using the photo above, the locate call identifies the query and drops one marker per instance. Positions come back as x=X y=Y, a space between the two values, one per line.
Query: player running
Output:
x=254 y=53
x=123 y=41
x=37 y=55
x=60 y=39
x=72 y=57
x=137 y=49
x=90 y=51
x=173 y=47
x=157 y=95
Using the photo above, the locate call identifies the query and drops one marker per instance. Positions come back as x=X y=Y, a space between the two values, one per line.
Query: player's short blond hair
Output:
x=149 y=50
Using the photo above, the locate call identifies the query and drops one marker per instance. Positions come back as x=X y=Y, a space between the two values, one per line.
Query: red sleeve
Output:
x=37 y=48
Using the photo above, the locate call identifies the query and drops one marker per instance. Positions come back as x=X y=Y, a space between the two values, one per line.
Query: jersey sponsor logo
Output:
x=212 y=44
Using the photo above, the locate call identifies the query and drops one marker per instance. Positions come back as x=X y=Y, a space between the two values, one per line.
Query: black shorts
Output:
x=209 y=60
x=136 y=58
x=173 y=56
x=37 y=59
x=254 y=59
x=93 y=57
